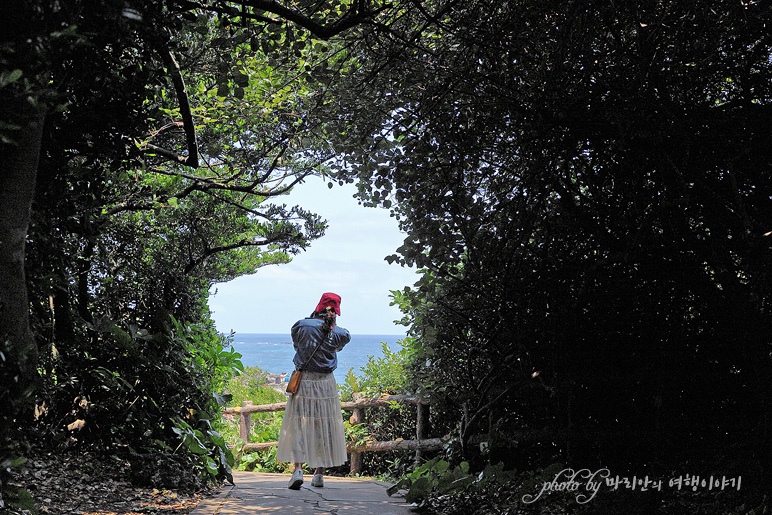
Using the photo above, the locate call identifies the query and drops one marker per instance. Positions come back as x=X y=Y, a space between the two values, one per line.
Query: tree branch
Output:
x=356 y=15
x=230 y=11
x=187 y=117
x=168 y=154
x=223 y=248
x=238 y=205
x=206 y=185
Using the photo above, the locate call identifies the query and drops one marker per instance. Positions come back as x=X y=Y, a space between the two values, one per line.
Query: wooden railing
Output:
x=360 y=403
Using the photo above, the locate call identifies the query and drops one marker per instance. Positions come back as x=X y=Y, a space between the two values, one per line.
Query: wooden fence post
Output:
x=357 y=417
x=245 y=422
x=421 y=428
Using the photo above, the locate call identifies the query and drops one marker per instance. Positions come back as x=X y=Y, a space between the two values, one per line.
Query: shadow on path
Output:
x=256 y=493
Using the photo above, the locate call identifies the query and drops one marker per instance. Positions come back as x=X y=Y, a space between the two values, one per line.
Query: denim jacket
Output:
x=306 y=334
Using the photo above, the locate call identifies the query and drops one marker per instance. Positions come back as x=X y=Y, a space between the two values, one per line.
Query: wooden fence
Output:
x=360 y=403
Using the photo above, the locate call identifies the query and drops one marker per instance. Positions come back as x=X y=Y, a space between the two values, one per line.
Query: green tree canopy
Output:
x=585 y=185
x=166 y=132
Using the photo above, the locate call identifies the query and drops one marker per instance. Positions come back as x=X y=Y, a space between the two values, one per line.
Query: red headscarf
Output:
x=329 y=300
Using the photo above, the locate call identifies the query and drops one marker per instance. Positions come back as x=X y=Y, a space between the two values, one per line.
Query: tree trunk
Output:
x=19 y=158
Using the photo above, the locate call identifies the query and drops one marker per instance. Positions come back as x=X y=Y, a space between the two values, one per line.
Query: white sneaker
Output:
x=318 y=480
x=296 y=480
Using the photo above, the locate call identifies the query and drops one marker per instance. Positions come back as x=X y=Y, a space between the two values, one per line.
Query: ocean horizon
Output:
x=273 y=352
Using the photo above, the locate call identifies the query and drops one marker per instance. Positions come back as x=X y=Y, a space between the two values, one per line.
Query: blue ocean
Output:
x=274 y=352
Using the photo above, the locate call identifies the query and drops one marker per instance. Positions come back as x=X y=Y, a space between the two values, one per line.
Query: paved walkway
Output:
x=256 y=493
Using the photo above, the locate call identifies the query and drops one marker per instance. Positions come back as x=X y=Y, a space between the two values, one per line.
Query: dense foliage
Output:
x=138 y=241
x=583 y=183
x=586 y=187
x=384 y=374
x=162 y=129
x=250 y=385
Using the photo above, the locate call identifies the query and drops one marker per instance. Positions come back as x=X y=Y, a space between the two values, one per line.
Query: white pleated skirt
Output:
x=312 y=429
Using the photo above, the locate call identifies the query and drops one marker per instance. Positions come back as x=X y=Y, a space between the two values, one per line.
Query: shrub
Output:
x=384 y=375
x=248 y=386
x=436 y=481
x=264 y=461
x=128 y=391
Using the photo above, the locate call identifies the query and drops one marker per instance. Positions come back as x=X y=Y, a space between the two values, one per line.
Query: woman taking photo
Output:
x=312 y=429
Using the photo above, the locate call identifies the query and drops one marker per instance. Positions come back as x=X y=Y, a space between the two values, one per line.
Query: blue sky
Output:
x=348 y=260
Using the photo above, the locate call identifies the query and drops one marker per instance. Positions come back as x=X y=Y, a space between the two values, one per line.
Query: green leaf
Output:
x=441 y=466
x=7 y=78
x=211 y=466
x=193 y=441
x=419 y=490
x=216 y=438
